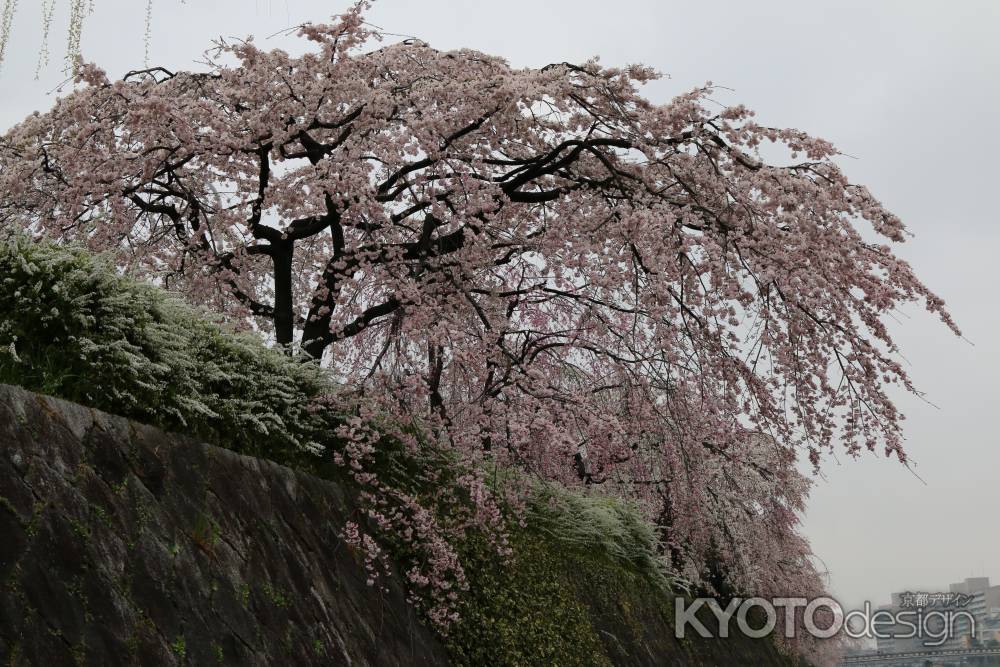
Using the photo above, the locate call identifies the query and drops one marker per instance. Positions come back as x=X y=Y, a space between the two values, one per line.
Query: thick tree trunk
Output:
x=315 y=336
x=284 y=320
x=435 y=361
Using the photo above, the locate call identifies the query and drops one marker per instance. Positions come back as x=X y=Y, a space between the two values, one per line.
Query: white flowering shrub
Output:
x=72 y=327
x=612 y=527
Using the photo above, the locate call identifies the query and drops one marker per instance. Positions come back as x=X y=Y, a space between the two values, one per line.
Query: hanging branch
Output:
x=79 y=10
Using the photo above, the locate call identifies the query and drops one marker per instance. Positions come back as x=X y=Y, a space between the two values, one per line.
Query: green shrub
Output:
x=575 y=559
x=71 y=327
x=524 y=610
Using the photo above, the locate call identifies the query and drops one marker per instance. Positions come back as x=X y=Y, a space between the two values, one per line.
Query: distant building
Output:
x=981 y=602
x=886 y=644
x=984 y=607
x=989 y=633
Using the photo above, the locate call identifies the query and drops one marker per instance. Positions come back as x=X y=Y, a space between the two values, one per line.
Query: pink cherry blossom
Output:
x=540 y=267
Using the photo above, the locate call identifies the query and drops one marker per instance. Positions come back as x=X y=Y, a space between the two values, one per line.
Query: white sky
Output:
x=910 y=88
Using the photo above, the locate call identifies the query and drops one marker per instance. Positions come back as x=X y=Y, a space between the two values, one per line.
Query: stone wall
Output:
x=123 y=545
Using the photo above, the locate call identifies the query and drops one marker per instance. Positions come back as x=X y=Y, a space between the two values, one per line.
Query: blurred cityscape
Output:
x=973 y=608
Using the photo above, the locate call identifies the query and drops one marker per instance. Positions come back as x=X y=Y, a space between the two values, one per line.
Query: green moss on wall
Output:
x=524 y=611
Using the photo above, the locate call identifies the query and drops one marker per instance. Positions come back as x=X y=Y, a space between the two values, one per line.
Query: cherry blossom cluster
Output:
x=541 y=268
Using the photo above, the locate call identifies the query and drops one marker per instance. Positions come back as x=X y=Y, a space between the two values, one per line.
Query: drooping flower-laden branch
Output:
x=550 y=271
x=78 y=10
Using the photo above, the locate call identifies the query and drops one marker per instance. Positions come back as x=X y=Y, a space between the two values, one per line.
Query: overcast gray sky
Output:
x=911 y=89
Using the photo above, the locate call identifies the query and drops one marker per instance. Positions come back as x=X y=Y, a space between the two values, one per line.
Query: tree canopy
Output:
x=547 y=269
